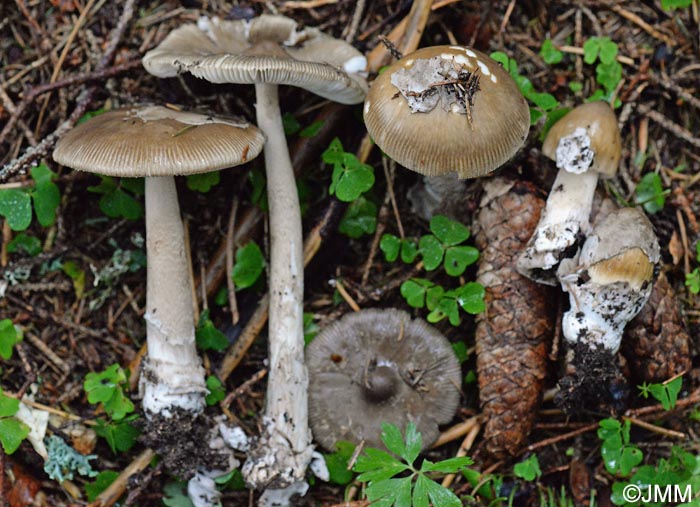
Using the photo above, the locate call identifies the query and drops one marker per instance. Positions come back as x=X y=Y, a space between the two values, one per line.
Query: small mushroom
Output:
x=378 y=366
x=268 y=51
x=158 y=143
x=608 y=283
x=447 y=109
x=584 y=144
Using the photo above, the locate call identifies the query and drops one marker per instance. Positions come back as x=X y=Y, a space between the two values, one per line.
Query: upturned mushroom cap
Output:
x=157 y=141
x=379 y=366
x=610 y=280
x=622 y=248
x=414 y=112
x=586 y=137
x=268 y=49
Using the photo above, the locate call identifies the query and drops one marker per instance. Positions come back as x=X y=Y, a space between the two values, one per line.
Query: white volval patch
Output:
x=470 y=52
x=156 y=113
x=355 y=64
x=318 y=466
x=463 y=60
x=408 y=63
x=282 y=497
x=574 y=152
x=484 y=68
x=366 y=106
x=493 y=78
x=235 y=437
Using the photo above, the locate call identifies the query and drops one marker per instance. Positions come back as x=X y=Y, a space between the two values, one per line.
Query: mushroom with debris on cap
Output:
x=157 y=142
x=268 y=51
x=378 y=366
x=608 y=283
x=585 y=144
x=447 y=109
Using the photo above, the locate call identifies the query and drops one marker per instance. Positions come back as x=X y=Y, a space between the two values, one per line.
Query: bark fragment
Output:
x=512 y=335
x=656 y=343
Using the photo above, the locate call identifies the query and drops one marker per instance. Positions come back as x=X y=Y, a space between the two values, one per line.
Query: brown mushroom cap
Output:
x=267 y=49
x=379 y=366
x=598 y=121
x=157 y=141
x=438 y=137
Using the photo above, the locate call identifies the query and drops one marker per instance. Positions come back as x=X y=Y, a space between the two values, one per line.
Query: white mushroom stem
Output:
x=284 y=449
x=564 y=220
x=172 y=375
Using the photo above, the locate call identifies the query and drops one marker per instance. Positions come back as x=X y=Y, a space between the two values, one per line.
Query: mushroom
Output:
x=267 y=51
x=462 y=94
x=608 y=283
x=158 y=143
x=584 y=144
x=378 y=366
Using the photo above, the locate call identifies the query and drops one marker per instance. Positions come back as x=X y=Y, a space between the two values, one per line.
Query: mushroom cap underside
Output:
x=157 y=141
x=408 y=355
x=267 y=49
x=445 y=139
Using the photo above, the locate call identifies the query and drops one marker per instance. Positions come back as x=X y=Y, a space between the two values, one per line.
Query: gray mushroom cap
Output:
x=379 y=366
x=157 y=141
x=268 y=49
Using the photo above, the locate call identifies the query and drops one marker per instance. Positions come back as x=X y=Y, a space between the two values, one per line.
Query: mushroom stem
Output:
x=173 y=375
x=564 y=221
x=284 y=450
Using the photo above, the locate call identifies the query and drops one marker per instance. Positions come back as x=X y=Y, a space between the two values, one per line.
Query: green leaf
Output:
x=669 y=5
x=549 y=53
x=216 y=391
x=414 y=443
x=376 y=465
x=420 y=492
x=175 y=495
x=120 y=435
x=390 y=245
x=77 y=275
x=118 y=203
x=359 y=218
x=30 y=244
x=441 y=496
x=12 y=432
x=449 y=232
x=544 y=101
x=351 y=179
x=409 y=250
x=471 y=297
x=609 y=75
x=447 y=307
x=630 y=457
x=391 y=436
x=89 y=115
x=312 y=129
x=290 y=124
x=249 y=265
x=136 y=186
x=391 y=492
x=102 y=481
x=460 y=350
x=337 y=463
x=46 y=195
x=608 y=51
x=334 y=153
x=457 y=258
x=650 y=193
x=432 y=251
x=258 y=195
x=10 y=335
x=590 y=50
x=8 y=406
x=448 y=466
x=433 y=296
x=667 y=393
x=208 y=337
x=101 y=386
x=528 y=469
x=203 y=182
x=16 y=207
x=413 y=291
x=118 y=405
x=311 y=329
